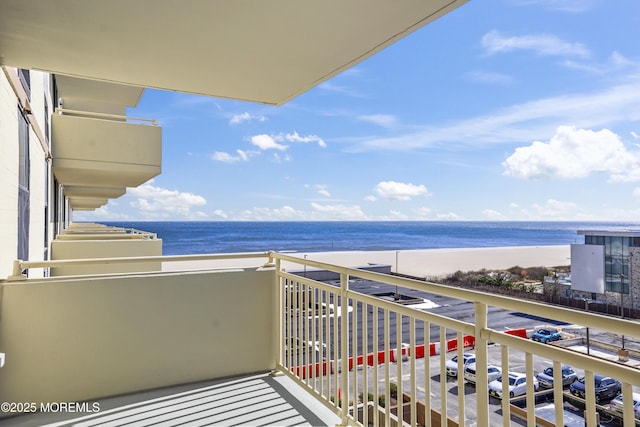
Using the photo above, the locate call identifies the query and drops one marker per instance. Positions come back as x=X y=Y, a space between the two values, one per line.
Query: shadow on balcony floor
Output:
x=258 y=400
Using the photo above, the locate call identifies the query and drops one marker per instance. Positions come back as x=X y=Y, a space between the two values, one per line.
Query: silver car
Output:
x=517 y=385
x=617 y=406
x=493 y=373
x=545 y=378
x=452 y=365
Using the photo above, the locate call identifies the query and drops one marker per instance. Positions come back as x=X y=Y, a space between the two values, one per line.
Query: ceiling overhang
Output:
x=261 y=51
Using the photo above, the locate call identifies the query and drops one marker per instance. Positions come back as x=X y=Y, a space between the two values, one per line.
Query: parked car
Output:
x=617 y=406
x=606 y=388
x=517 y=385
x=493 y=372
x=545 y=335
x=452 y=365
x=545 y=378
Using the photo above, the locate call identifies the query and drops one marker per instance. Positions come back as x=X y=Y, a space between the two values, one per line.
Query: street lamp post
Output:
x=622 y=302
x=586 y=308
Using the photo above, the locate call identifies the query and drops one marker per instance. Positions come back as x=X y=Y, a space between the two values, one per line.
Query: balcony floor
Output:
x=256 y=400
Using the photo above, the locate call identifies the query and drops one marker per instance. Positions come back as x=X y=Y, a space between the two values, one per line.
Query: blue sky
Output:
x=501 y=110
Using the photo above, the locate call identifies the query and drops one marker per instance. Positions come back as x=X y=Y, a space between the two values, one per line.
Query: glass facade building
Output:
x=616 y=255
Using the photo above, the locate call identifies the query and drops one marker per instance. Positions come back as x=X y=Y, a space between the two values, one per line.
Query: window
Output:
x=25 y=79
x=23 y=187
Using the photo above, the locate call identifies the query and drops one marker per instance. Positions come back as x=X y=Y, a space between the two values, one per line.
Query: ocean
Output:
x=191 y=237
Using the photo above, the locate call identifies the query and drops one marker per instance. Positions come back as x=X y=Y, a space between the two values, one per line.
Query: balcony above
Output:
x=102 y=192
x=267 y=52
x=87 y=203
x=102 y=152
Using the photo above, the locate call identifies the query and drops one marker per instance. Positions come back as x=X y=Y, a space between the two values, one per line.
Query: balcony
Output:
x=104 y=151
x=82 y=241
x=246 y=317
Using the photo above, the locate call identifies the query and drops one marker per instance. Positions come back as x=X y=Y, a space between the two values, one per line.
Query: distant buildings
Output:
x=606 y=268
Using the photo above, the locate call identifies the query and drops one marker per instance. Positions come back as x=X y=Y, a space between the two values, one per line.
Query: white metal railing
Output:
x=92 y=114
x=342 y=345
x=20 y=266
x=326 y=332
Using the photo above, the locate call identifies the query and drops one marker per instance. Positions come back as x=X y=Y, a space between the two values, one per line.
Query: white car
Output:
x=517 y=385
x=493 y=373
x=452 y=365
x=616 y=405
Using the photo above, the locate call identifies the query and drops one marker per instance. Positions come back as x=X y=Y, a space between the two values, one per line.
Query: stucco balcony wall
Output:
x=75 y=339
x=71 y=247
x=92 y=152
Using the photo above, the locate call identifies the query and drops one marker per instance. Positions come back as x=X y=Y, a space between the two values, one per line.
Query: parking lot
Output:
x=545 y=405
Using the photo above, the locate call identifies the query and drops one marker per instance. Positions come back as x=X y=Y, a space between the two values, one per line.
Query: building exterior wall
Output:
x=9 y=171
x=8 y=176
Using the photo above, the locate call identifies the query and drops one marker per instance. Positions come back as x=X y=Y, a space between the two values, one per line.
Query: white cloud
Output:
x=339 y=212
x=295 y=137
x=160 y=203
x=221 y=156
x=635 y=135
x=370 y=198
x=423 y=212
x=220 y=213
x=541 y=44
x=491 y=214
x=245 y=117
x=383 y=120
x=266 y=142
x=522 y=122
x=616 y=62
x=271 y=214
x=555 y=209
x=574 y=153
x=448 y=217
x=272 y=142
x=400 y=191
x=278 y=158
x=321 y=189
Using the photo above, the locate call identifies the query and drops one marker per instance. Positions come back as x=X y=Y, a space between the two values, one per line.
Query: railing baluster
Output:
x=399 y=391
x=412 y=372
x=531 y=397
x=558 y=390
x=336 y=348
x=376 y=349
x=365 y=361
x=506 y=403
x=387 y=371
x=354 y=355
x=344 y=346
x=314 y=338
x=480 y=314
x=627 y=403
x=460 y=352
x=443 y=376
x=427 y=372
x=590 y=397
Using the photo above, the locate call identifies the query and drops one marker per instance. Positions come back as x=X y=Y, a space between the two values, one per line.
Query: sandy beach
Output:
x=425 y=263
x=439 y=262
